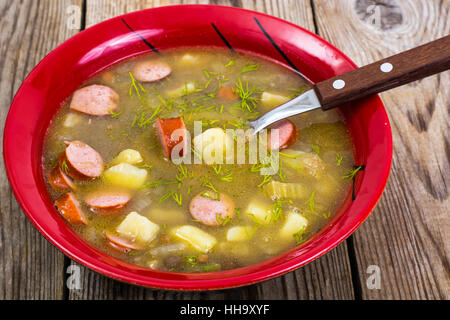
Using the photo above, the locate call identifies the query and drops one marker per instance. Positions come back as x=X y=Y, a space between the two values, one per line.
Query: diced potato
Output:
x=185 y=89
x=189 y=59
x=240 y=233
x=197 y=238
x=167 y=216
x=72 y=119
x=138 y=228
x=294 y=223
x=215 y=146
x=283 y=191
x=125 y=175
x=259 y=212
x=303 y=162
x=129 y=156
x=271 y=100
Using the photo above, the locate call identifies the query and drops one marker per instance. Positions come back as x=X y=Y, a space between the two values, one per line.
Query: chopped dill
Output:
x=248 y=101
x=277 y=209
x=222 y=221
x=339 y=159
x=138 y=88
x=249 y=67
x=115 y=115
x=165 y=197
x=292 y=156
x=210 y=267
x=298 y=236
x=311 y=202
x=238 y=213
x=227 y=178
x=217 y=168
x=297 y=92
x=65 y=167
x=177 y=197
x=316 y=149
x=154 y=184
x=266 y=179
x=326 y=215
x=229 y=64
x=352 y=173
x=190 y=260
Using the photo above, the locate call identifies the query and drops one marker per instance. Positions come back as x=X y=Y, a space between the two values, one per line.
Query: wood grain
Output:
x=407 y=234
x=30 y=268
x=326 y=278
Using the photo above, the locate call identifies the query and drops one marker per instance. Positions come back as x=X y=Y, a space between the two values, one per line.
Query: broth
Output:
x=270 y=213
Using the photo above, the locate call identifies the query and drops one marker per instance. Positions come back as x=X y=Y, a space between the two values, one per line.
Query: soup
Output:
x=151 y=161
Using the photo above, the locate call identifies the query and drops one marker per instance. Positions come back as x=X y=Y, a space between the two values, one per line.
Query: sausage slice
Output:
x=209 y=211
x=121 y=244
x=171 y=132
x=287 y=134
x=59 y=180
x=150 y=71
x=69 y=207
x=95 y=100
x=107 y=200
x=81 y=161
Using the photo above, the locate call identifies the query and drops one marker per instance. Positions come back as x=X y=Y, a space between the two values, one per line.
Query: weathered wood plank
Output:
x=326 y=278
x=407 y=234
x=30 y=268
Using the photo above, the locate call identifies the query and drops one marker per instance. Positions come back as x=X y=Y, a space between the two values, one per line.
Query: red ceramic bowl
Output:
x=80 y=57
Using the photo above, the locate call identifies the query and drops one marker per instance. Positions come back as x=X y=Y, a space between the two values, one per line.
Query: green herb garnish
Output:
x=249 y=67
x=311 y=202
x=352 y=173
x=339 y=158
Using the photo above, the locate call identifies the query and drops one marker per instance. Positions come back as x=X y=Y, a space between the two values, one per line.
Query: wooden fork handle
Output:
x=397 y=70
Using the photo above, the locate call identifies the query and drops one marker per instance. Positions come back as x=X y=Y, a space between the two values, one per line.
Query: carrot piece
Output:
x=226 y=93
x=165 y=128
x=69 y=208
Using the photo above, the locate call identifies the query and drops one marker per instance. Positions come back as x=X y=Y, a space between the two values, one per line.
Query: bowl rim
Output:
x=218 y=280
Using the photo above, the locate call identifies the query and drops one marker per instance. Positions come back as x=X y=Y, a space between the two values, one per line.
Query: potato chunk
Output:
x=294 y=223
x=138 y=228
x=189 y=59
x=129 y=156
x=272 y=100
x=259 y=212
x=304 y=162
x=186 y=88
x=197 y=238
x=125 y=175
x=215 y=146
x=72 y=119
x=240 y=233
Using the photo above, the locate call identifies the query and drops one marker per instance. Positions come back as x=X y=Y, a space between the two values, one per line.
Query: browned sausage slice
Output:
x=69 y=208
x=150 y=71
x=59 y=180
x=287 y=134
x=171 y=132
x=107 y=200
x=96 y=100
x=82 y=161
x=209 y=211
x=121 y=244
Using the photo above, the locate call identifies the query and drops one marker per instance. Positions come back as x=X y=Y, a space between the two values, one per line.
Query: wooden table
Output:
x=406 y=238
